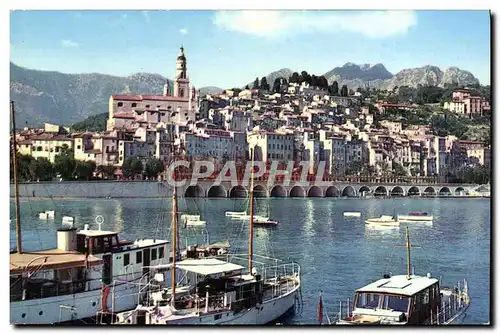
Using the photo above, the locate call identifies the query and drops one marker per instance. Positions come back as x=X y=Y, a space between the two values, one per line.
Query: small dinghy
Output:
x=235 y=213
x=352 y=214
x=50 y=214
x=266 y=223
x=43 y=215
x=415 y=216
x=196 y=223
x=383 y=221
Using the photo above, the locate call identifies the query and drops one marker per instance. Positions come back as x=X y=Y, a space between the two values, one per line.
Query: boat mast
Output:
x=16 y=180
x=250 y=232
x=174 y=242
x=408 y=246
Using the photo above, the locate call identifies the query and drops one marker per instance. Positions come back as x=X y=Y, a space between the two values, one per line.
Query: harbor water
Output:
x=337 y=254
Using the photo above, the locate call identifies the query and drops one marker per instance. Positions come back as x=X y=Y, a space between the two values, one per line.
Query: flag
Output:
x=320 y=309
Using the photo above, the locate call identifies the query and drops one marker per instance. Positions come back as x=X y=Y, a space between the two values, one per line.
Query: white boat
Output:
x=219 y=292
x=196 y=223
x=383 y=221
x=405 y=300
x=190 y=217
x=43 y=215
x=68 y=219
x=415 y=217
x=235 y=213
x=352 y=214
x=50 y=214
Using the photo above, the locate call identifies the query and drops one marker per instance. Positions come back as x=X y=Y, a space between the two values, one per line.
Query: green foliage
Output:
x=131 y=166
x=354 y=167
x=24 y=163
x=247 y=87
x=64 y=163
x=343 y=91
x=449 y=123
x=277 y=85
x=41 y=169
x=294 y=78
x=108 y=171
x=333 y=89
x=477 y=175
x=398 y=170
x=256 y=84
x=92 y=123
x=264 y=85
x=153 y=167
x=84 y=170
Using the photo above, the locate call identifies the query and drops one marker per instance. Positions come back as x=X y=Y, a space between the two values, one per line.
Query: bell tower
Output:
x=181 y=83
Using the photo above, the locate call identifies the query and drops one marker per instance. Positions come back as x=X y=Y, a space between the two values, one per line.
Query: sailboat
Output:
x=406 y=300
x=85 y=273
x=217 y=291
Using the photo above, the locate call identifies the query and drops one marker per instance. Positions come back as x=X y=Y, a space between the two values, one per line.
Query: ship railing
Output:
x=345 y=311
x=449 y=310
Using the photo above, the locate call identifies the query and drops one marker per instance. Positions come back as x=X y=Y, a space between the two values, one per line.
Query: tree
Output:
x=92 y=123
x=294 y=78
x=64 y=163
x=107 y=171
x=263 y=84
x=41 y=169
x=84 y=170
x=131 y=166
x=277 y=85
x=344 y=91
x=256 y=84
x=247 y=87
x=323 y=82
x=351 y=92
x=153 y=167
x=398 y=170
x=334 y=89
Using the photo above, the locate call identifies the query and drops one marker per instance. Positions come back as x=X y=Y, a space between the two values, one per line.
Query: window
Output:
x=368 y=300
x=120 y=104
x=153 y=254
x=138 y=257
x=78 y=147
x=134 y=105
x=161 y=252
x=126 y=259
x=147 y=105
x=396 y=303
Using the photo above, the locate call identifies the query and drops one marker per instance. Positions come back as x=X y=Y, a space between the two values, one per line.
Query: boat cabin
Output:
x=396 y=300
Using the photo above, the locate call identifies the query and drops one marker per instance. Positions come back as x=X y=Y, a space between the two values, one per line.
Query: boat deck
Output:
x=50 y=259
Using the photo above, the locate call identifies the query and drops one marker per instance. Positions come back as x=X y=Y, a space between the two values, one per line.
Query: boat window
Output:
x=107 y=244
x=396 y=303
x=126 y=259
x=153 y=254
x=138 y=257
x=161 y=252
x=368 y=300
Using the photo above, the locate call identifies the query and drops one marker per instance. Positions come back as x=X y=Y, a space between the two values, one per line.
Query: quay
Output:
x=227 y=189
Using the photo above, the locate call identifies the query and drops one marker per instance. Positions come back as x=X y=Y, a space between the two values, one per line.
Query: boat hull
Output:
x=410 y=219
x=85 y=305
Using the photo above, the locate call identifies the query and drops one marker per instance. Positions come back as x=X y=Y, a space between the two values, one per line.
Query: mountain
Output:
x=283 y=73
x=430 y=76
x=378 y=76
x=54 y=97
x=210 y=90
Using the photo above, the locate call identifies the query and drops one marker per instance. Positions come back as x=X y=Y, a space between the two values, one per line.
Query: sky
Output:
x=230 y=48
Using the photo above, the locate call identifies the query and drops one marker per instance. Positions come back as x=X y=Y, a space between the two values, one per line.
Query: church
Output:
x=177 y=107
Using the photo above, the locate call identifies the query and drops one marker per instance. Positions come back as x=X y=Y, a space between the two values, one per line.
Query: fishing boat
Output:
x=266 y=223
x=73 y=281
x=196 y=223
x=406 y=300
x=235 y=213
x=383 y=221
x=352 y=214
x=216 y=290
x=415 y=216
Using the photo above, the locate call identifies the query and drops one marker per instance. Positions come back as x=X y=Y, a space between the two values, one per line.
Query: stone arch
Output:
x=194 y=191
x=332 y=191
x=397 y=191
x=315 y=191
x=364 y=190
x=297 y=191
x=259 y=191
x=238 y=192
x=380 y=191
x=349 y=191
x=445 y=191
x=278 y=191
x=413 y=191
x=459 y=191
x=217 y=191
x=430 y=191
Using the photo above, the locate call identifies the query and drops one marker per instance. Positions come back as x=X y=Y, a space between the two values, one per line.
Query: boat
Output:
x=415 y=216
x=352 y=214
x=50 y=214
x=74 y=280
x=383 y=221
x=235 y=213
x=196 y=223
x=405 y=300
x=218 y=291
x=43 y=216
x=266 y=223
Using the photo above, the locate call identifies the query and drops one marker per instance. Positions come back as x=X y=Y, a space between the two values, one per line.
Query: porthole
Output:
x=40 y=313
x=23 y=315
x=93 y=303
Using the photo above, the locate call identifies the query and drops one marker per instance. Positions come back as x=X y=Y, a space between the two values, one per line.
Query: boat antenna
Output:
x=174 y=242
x=408 y=246
x=250 y=237
x=16 y=180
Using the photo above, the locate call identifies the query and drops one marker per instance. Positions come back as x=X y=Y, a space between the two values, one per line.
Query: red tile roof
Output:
x=148 y=97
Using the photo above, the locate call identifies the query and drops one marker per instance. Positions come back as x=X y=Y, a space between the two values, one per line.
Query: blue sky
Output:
x=228 y=49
